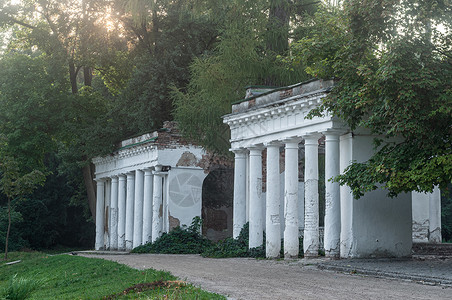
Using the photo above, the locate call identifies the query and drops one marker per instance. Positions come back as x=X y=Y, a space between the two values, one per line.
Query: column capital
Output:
x=130 y=174
x=147 y=171
x=239 y=151
x=312 y=138
x=255 y=148
x=274 y=144
x=292 y=139
x=333 y=132
x=100 y=180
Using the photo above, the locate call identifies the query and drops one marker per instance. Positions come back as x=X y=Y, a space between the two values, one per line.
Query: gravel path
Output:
x=243 y=278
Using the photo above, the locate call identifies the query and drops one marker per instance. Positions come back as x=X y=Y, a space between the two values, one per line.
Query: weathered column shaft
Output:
x=239 y=205
x=129 y=210
x=106 y=212
x=435 y=216
x=291 y=239
x=256 y=203
x=122 y=212
x=273 y=223
x=157 y=205
x=114 y=214
x=138 y=209
x=147 y=206
x=332 y=197
x=99 y=245
x=311 y=228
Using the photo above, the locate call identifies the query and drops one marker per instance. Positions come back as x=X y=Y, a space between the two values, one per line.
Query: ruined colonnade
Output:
x=150 y=185
x=276 y=119
x=127 y=210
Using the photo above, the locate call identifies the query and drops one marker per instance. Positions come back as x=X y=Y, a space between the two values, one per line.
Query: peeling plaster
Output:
x=187 y=159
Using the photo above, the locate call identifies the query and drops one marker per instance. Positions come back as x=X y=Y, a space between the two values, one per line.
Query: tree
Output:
x=393 y=65
x=14 y=184
x=253 y=35
x=72 y=35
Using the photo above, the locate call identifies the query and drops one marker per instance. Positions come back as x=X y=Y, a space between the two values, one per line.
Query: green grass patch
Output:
x=76 y=277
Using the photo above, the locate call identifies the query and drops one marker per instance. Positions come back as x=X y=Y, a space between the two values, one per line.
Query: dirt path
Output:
x=243 y=278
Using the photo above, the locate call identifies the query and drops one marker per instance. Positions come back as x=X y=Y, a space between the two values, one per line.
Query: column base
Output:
x=332 y=256
x=311 y=255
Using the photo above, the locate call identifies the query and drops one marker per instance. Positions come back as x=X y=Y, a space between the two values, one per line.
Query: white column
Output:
x=129 y=210
x=256 y=201
x=239 y=206
x=332 y=196
x=114 y=214
x=346 y=157
x=157 y=204
x=291 y=239
x=122 y=212
x=107 y=220
x=138 y=209
x=100 y=198
x=147 y=206
x=272 y=217
x=311 y=227
x=435 y=216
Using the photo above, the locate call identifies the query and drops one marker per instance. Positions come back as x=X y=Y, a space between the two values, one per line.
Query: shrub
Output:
x=180 y=240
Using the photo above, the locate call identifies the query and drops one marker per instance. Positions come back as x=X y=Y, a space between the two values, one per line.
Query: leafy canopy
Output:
x=393 y=65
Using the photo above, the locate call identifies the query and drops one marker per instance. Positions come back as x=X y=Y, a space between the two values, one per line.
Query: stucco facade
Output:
x=275 y=121
x=151 y=184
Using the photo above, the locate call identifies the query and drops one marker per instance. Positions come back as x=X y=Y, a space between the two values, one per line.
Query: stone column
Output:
x=99 y=245
x=129 y=209
x=435 y=216
x=121 y=212
x=138 y=209
x=239 y=206
x=107 y=218
x=256 y=201
x=157 y=204
x=114 y=214
x=291 y=239
x=311 y=227
x=332 y=197
x=272 y=217
x=147 y=206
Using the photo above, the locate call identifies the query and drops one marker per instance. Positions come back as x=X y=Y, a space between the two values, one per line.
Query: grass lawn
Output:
x=75 y=277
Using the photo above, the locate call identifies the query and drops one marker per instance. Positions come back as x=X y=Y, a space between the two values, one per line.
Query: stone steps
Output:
x=444 y=249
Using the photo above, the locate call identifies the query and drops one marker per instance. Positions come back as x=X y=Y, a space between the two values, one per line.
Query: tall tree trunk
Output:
x=73 y=77
x=90 y=189
x=277 y=37
x=87 y=76
x=278 y=26
x=9 y=228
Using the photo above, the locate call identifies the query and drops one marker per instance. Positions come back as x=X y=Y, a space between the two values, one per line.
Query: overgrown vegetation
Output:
x=180 y=240
x=188 y=240
x=73 y=277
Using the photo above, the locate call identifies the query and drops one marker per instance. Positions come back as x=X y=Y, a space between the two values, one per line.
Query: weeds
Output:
x=183 y=240
x=20 y=288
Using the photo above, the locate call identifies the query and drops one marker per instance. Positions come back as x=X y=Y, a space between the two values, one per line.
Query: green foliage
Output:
x=16 y=240
x=179 y=240
x=393 y=68
x=218 y=78
x=235 y=247
x=189 y=241
x=446 y=214
x=161 y=61
x=20 y=288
